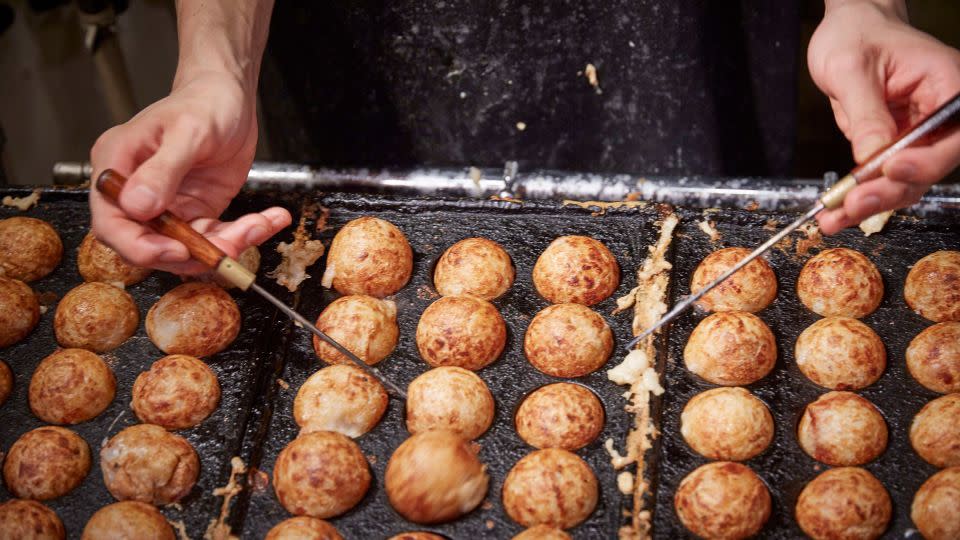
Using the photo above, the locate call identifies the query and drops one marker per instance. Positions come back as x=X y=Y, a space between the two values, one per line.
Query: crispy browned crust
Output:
x=197 y=319
x=303 y=528
x=933 y=357
x=30 y=248
x=542 y=532
x=71 y=386
x=46 y=463
x=95 y=316
x=550 y=487
x=568 y=340
x=723 y=499
x=475 y=266
x=560 y=415
x=417 y=535
x=6 y=381
x=365 y=325
x=840 y=282
x=22 y=519
x=576 y=269
x=147 y=463
x=935 y=432
x=932 y=288
x=934 y=510
x=370 y=256
x=177 y=392
x=841 y=503
x=731 y=348
x=751 y=289
x=128 y=520
x=96 y=261
x=341 y=398
x=727 y=423
x=840 y=353
x=463 y=331
x=19 y=311
x=449 y=398
x=842 y=429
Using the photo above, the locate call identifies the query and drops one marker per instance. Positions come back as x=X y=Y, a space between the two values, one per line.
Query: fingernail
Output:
x=868 y=145
x=870 y=204
x=903 y=172
x=170 y=257
x=256 y=234
x=140 y=199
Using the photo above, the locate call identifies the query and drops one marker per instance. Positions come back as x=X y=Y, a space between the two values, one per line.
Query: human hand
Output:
x=883 y=76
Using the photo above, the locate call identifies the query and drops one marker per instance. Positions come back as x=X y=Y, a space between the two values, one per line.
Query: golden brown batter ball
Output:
x=840 y=353
x=932 y=288
x=846 y=502
x=731 y=348
x=369 y=256
x=728 y=424
x=542 y=532
x=550 y=487
x=178 y=392
x=95 y=316
x=29 y=248
x=842 y=428
x=449 y=398
x=751 y=288
x=463 y=331
x=19 y=311
x=96 y=261
x=341 y=398
x=840 y=282
x=46 y=463
x=128 y=520
x=71 y=386
x=22 y=519
x=303 y=528
x=198 y=319
x=933 y=357
x=435 y=476
x=560 y=415
x=417 y=535
x=474 y=266
x=935 y=505
x=149 y=464
x=935 y=432
x=722 y=499
x=576 y=269
x=6 y=381
x=568 y=340
x=365 y=325
x=321 y=474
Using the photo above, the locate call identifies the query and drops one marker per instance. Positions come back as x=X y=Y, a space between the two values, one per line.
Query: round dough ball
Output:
x=933 y=357
x=449 y=398
x=474 y=266
x=932 y=288
x=46 y=463
x=321 y=474
x=29 y=248
x=303 y=528
x=550 y=487
x=248 y=258
x=435 y=476
x=568 y=340
x=576 y=269
x=728 y=424
x=369 y=256
x=365 y=325
x=847 y=502
x=22 y=519
x=722 y=499
x=463 y=331
x=95 y=316
x=840 y=353
x=96 y=261
x=732 y=348
x=935 y=432
x=751 y=288
x=178 y=392
x=19 y=311
x=542 y=532
x=128 y=520
x=341 y=398
x=935 y=505
x=842 y=428
x=149 y=464
x=71 y=386
x=560 y=415
x=840 y=282
x=6 y=381
x=198 y=319
x=417 y=535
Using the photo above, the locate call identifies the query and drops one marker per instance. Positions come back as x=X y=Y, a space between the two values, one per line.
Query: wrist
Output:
x=243 y=73
x=891 y=8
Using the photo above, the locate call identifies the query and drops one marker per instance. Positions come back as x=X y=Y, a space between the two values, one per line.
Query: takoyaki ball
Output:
x=550 y=487
x=46 y=463
x=22 y=519
x=6 y=381
x=341 y=398
x=935 y=431
x=935 y=505
x=463 y=331
x=321 y=474
x=576 y=269
x=840 y=353
x=840 y=282
x=71 y=386
x=846 y=502
x=128 y=520
x=542 y=532
x=417 y=535
x=178 y=392
x=842 y=429
x=731 y=348
x=474 y=266
x=149 y=464
x=369 y=256
x=560 y=415
x=248 y=258
x=933 y=357
x=96 y=261
x=303 y=528
x=728 y=424
x=19 y=311
x=722 y=499
x=95 y=316
x=750 y=289
x=435 y=476
x=449 y=398
x=29 y=248
x=568 y=340
x=365 y=325
x=198 y=319
x=932 y=288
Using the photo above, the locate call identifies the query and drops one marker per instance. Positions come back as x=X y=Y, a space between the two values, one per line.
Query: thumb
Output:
x=861 y=95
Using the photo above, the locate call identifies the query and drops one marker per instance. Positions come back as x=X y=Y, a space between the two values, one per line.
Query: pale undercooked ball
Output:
x=19 y=311
x=449 y=398
x=435 y=476
x=71 y=386
x=842 y=428
x=846 y=502
x=933 y=357
x=95 y=316
x=178 y=392
x=321 y=474
x=149 y=464
x=417 y=535
x=568 y=340
x=128 y=520
x=248 y=258
x=935 y=432
x=22 y=519
x=560 y=415
x=542 y=532
x=932 y=288
x=751 y=288
x=576 y=269
x=731 y=348
x=840 y=282
x=369 y=256
x=29 y=248
x=550 y=487
x=365 y=325
x=341 y=398
x=463 y=331
x=475 y=266
x=46 y=463
x=935 y=506
x=722 y=499
x=198 y=319
x=98 y=262
x=840 y=353
x=303 y=528
x=728 y=424
x=6 y=381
